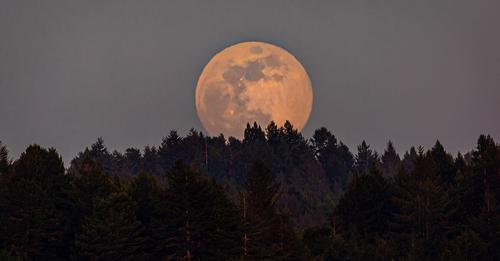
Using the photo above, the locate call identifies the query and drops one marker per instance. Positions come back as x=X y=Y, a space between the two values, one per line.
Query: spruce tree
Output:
x=362 y=213
x=98 y=153
x=442 y=163
x=90 y=185
x=132 y=161
x=409 y=160
x=366 y=158
x=147 y=195
x=111 y=232
x=198 y=220
x=4 y=159
x=35 y=202
x=486 y=171
x=266 y=234
x=260 y=221
x=227 y=239
x=475 y=197
x=335 y=158
x=391 y=163
x=149 y=161
x=255 y=146
x=419 y=224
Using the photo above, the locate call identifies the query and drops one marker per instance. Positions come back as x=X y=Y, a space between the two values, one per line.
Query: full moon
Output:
x=252 y=82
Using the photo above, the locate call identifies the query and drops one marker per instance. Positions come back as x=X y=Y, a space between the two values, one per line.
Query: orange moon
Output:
x=252 y=82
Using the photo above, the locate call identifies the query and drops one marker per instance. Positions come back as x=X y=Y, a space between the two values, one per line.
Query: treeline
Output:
x=272 y=196
x=49 y=215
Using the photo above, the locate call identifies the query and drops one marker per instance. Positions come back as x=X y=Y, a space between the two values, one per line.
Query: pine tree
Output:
x=266 y=235
x=149 y=161
x=132 y=160
x=174 y=147
x=111 y=232
x=364 y=208
x=486 y=163
x=486 y=177
x=146 y=193
x=409 y=160
x=97 y=153
x=90 y=185
x=255 y=146
x=228 y=233
x=152 y=210
x=460 y=163
x=419 y=225
x=258 y=213
x=35 y=201
x=443 y=164
x=217 y=157
x=391 y=163
x=335 y=158
x=475 y=196
x=4 y=159
x=193 y=225
x=366 y=158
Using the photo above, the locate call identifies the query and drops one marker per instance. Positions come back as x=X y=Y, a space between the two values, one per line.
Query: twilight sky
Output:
x=408 y=71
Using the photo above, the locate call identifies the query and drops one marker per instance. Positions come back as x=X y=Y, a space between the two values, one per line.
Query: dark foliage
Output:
x=271 y=196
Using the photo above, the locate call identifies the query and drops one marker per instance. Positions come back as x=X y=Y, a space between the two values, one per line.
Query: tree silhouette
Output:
x=272 y=196
x=266 y=235
x=35 y=203
x=4 y=159
x=391 y=163
x=366 y=158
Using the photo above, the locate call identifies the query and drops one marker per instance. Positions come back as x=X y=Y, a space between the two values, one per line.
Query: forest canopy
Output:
x=274 y=195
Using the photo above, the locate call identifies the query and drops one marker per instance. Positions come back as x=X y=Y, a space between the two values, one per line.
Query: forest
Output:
x=274 y=195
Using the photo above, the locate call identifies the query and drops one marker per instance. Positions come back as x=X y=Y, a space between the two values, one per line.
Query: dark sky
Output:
x=409 y=71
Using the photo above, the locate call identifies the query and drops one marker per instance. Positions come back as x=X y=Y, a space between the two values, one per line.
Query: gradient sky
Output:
x=408 y=71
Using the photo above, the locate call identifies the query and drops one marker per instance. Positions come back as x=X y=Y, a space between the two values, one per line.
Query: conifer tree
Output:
x=4 y=159
x=486 y=181
x=111 y=232
x=217 y=158
x=90 y=185
x=258 y=213
x=391 y=163
x=364 y=209
x=409 y=160
x=266 y=235
x=149 y=161
x=442 y=163
x=460 y=163
x=147 y=195
x=174 y=147
x=193 y=225
x=335 y=158
x=255 y=146
x=97 y=153
x=35 y=201
x=227 y=239
x=366 y=158
x=420 y=222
